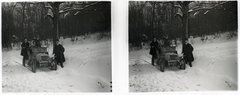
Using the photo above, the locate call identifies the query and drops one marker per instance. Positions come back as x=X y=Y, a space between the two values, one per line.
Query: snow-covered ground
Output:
x=214 y=69
x=87 y=69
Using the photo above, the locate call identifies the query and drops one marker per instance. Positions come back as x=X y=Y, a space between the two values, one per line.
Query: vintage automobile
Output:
x=39 y=57
x=168 y=56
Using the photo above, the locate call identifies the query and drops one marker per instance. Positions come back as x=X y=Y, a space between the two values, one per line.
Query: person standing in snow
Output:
x=166 y=41
x=187 y=52
x=58 y=50
x=25 y=47
x=153 y=50
x=37 y=42
x=144 y=39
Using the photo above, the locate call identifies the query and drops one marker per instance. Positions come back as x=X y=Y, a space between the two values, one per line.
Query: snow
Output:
x=214 y=69
x=87 y=69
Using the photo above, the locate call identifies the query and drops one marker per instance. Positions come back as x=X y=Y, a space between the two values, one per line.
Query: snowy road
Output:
x=214 y=69
x=87 y=69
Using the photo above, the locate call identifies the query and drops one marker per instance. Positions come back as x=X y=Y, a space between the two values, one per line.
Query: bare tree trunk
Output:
x=153 y=13
x=55 y=27
x=23 y=13
x=185 y=26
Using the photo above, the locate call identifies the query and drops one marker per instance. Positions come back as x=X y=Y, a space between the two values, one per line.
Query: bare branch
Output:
x=178 y=6
x=195 y=13
x=180 y=3
x=202 y=8
x=76 y=13
x=51 y=4
x=196 y=8
x=179 y=15
x=49 y=16
x=70 y=5
x=66 y=8
x=206 y=12
x=66 y=14
x=14 y=5
x=77 y=9
x=49 y=7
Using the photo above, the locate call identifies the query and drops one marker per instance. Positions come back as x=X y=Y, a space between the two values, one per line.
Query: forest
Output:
x=180 y=19
x=50 y=20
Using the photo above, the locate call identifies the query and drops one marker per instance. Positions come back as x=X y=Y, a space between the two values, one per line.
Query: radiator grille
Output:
x=173 y=57
x=44 y=58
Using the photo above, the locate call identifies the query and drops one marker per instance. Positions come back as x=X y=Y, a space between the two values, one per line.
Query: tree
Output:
x=29 y=19
x=185 y=10
x=173 y=17
x=55 y=11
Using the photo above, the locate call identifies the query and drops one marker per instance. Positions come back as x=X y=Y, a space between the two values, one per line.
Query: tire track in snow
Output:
x=215 y=58
x=85 y=60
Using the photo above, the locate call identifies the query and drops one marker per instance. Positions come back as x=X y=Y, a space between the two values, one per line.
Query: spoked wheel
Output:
x=54 y=66
x=34 y=63
x=162 y=65
x=183 y=64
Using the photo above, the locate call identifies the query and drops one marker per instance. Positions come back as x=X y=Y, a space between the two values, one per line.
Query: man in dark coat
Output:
x=25 y=47
x=37 y=42
x=166 y=41
x=153 y=50
x=187 y=52
x=58 y=51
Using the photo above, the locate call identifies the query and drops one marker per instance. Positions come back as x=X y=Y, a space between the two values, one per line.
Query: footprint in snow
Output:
x=100 y=85
x=4 y=86
x=5 y=65
x=228 y=84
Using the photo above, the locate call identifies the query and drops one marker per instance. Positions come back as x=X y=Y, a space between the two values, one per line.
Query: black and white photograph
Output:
x=56 y=46
x=183 y=46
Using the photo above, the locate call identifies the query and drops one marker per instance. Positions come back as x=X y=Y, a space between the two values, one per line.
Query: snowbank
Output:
x=91 y=38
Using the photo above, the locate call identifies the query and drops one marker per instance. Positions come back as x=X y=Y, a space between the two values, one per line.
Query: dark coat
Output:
x=25 y=47
x=58 y=51
x=187 y=52
x=154 y=46
x=166 y=42
x=37 y=43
